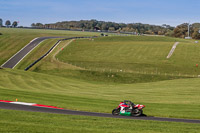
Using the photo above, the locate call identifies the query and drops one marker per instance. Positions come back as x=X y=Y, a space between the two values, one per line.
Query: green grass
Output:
x=52 y=66
x=13 y=39
x=20 y=121
x=136 y=54
x=106 y=77
x=36 y=53
x=104 y=87
x=86 y=76
x=170 y=98
x=106 y=63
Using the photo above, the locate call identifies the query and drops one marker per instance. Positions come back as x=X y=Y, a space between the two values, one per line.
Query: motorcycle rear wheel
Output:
x=137 y=112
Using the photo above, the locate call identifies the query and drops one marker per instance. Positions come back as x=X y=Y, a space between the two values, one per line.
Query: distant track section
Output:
x=15 y=59
x=27 y=68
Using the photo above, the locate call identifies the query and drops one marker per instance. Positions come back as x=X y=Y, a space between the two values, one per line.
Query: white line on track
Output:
x=23 y=103
x=26 y=54
x=33 y=39
x=18 y=52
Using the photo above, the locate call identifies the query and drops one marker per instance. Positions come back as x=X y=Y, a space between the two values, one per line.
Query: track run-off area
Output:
x=33 y=107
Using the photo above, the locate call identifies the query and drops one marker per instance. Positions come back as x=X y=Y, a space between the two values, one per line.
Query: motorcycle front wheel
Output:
x=115 y=112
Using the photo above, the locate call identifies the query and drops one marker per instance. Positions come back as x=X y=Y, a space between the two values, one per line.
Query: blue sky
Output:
x=158 y=12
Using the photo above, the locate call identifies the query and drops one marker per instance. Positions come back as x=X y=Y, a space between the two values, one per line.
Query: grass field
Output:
x=20 y=121
x=53 y=65
x=13 y=39
x=135 y=59
x=95 y=75
x=36 y=53
x=134 y=54
x=169 y=98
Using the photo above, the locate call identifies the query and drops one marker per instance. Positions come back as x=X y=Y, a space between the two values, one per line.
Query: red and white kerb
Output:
x=30 y=104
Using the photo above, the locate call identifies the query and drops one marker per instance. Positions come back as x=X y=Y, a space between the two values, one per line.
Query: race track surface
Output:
x=14 y=60
x=71 y=112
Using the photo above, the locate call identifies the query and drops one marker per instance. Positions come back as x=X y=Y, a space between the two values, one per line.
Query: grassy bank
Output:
x=137 y=54
x=95 y=75
x=168 y=98
x=88 y=60
x=13 y=39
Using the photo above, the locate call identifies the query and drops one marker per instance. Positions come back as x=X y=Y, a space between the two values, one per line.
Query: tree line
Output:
x=8 y=23
x=180 y=31
x=94 y=25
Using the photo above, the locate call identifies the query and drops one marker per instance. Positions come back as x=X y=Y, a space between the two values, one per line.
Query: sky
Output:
x=157 y=12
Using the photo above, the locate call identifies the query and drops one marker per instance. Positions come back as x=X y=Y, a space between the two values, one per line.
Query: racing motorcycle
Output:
x=127 y=108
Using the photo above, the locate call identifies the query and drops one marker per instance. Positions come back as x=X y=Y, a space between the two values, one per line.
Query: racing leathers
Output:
x=123 y=106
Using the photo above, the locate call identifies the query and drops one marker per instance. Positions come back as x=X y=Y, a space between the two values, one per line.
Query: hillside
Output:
x=93 y=66
x=136 y=54
x=95 y=75
x=131 y=59
x=166 y=99
x=13 y=39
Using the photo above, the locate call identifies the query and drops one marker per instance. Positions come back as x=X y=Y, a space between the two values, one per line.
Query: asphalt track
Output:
x=14 y=60
x=71 y=112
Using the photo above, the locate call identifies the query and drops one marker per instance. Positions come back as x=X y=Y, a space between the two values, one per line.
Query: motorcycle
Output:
x=127 y=108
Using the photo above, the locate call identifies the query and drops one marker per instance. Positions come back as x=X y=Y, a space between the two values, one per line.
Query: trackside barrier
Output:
x=27 y=68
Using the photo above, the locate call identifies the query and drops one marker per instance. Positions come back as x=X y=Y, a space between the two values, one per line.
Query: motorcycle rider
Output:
x=123 y=106
x=130 y=104
x=128 y=108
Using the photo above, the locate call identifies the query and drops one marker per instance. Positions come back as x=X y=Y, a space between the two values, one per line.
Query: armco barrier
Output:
x=27 y=68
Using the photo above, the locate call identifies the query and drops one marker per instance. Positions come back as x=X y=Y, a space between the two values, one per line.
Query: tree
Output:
x=111 y=29
x=39 y=25
x=181 y=30
x=8 y=23
x=33 y=25
x=14 y=24
x=1 y=22
x=102 y=25
x=196 y=34
x=169 y=33
x=196 y=25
